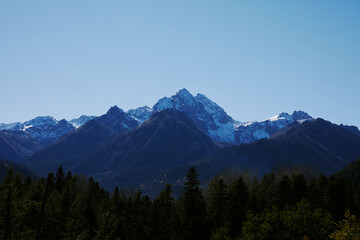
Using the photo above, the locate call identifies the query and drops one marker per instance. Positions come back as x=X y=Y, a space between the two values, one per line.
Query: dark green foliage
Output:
x=66 y=206
x=238 y=205
x=351 y=172
x=284 y=192
x=193 y=209
x=218 y=203
x=294 y=222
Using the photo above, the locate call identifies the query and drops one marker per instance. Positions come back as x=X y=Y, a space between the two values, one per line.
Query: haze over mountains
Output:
x=147 y=147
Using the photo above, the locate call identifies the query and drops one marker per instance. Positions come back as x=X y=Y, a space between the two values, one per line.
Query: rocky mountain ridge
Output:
x=206 y=114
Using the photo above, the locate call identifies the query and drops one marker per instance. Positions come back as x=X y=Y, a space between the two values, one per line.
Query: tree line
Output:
x=232 y=206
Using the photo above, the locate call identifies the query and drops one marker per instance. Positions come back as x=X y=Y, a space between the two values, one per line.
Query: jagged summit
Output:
x=115 y=110
x=44 y=129
x=78 y=122
x=141 y=114
x=207 y=115
x=300 y=115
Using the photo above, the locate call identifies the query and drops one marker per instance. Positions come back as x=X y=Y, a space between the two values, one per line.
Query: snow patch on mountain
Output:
x=140 y=114
x=45 y=129
x=252 y=131
x=207 y=115
x=78 y=122
x=7 y=126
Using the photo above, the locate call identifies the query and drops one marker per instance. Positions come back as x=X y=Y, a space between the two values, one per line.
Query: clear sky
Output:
x=254 y=58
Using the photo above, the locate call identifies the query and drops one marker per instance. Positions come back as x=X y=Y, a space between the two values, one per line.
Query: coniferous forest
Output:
x=231 y=206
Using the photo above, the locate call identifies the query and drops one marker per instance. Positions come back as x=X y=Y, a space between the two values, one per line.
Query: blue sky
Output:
x=254 y=58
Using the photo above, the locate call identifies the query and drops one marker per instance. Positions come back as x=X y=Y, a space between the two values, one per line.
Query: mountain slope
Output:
x=214 y=121
x=71 y=147
x=207 y=115
x=167 y=140
x=352 y=129
x=17 y=145
x=45 y=130
x=250 y=132
x=17 y=168
x=319 y=145
x=78 y=122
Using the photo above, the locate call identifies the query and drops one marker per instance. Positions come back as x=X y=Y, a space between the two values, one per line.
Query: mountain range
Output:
x=207 y=116
x=148 y=147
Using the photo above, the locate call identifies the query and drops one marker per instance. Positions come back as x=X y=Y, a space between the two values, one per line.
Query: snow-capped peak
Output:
x=140 y=114
x=185 y=95
x=114 y=110
x=42 y=120
x=207 y=115
x=78 y=122
x=45 y=129
x=253 y=131
x=284 y=116
x=301 y=115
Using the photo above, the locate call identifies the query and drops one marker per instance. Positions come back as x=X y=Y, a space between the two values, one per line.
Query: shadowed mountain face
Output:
x=17 y=145
x=319 y=145
x=352 y=129
x=73 y=146
x=5 y=165
x=168 y=140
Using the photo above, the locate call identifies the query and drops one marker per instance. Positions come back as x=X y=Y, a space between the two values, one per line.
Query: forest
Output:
x=231 y=206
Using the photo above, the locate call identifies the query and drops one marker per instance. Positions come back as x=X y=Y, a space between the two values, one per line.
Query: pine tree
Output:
x=218 y=204
x=284 y=192
x=60 y=179
x=163 y=215
x=193 y=215
x=238 y=202
x=299 y=187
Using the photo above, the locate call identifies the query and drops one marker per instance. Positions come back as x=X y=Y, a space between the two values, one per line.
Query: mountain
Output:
x=167 y=140
x=318 y=144
x=74 y=145
x=78 y=122
x=250 y=132
x=17 y=145
x=140 y=114
x=17 y=168
x=206 y=114
x=352 y=129
x=214 y=121
x=46 y=130
x=8 y=126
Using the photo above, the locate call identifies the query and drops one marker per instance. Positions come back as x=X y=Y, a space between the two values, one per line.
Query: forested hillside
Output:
x=233 y=206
